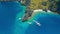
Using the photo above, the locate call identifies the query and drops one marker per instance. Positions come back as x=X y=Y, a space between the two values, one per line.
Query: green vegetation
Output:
x=37 y=4
x=42 y=4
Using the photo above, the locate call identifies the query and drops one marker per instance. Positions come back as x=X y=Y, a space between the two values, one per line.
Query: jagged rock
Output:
x=28 y=13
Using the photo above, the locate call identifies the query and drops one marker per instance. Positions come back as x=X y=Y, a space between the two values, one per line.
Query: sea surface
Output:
x=10 y=12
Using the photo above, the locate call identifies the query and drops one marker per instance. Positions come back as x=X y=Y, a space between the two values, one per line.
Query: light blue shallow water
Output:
x=50 y=23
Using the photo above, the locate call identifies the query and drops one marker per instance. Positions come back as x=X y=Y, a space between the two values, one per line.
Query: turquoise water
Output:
x=49 y=24
x=10 y=12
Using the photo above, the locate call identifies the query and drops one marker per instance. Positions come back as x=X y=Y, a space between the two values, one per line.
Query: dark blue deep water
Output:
x=8 y=11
